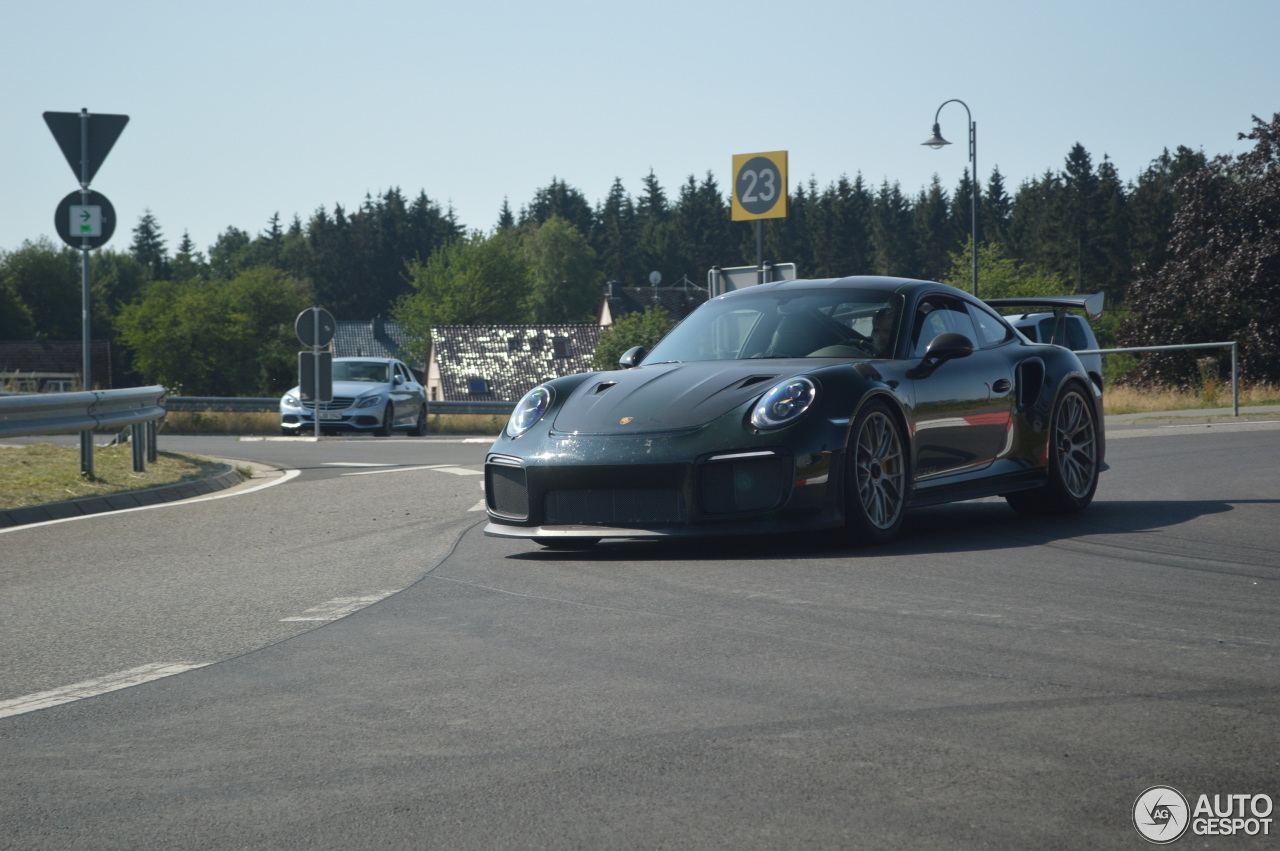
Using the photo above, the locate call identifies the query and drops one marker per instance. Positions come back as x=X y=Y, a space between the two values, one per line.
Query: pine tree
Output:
x=148 y=247
x=995 y=209
x=615 y=237
x=933 y=231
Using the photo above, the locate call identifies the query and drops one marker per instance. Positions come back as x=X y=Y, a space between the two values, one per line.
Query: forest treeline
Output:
x=1078 y=228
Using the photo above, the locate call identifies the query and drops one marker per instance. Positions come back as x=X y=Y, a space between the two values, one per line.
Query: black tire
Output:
x=877 y=475
x=388 y=418
x=420 y=425
x=1073 y=459
x=566 y=543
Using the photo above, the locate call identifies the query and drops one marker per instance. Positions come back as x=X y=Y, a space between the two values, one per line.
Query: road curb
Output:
x=26 y=515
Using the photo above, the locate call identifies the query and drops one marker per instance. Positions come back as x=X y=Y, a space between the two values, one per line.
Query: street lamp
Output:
x=936 y=141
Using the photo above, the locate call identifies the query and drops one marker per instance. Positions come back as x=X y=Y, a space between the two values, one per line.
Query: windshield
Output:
x=825 y=323
x=360 y=370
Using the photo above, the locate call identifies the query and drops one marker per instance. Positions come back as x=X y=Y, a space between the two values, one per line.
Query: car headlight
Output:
x=784 y=403
x=291 y=401
x=369 y=402
x=529 y=410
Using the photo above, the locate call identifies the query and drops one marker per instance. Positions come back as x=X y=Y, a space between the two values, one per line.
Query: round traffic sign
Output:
x=85 y=219
x=315 y=326
x=759 y=186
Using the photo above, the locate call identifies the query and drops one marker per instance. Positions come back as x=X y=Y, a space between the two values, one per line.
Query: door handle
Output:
x=1003 y=385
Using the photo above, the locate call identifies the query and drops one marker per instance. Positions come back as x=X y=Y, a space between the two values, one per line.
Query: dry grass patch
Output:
x=44 y=473
x=1121 y=399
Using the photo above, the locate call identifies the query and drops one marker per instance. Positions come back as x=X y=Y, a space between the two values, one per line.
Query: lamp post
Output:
x=936 y=141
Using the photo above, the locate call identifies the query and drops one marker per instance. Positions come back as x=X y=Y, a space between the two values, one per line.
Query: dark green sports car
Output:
x=801 y=405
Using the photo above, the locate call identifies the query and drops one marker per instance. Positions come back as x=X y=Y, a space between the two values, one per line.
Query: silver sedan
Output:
x=369 y=394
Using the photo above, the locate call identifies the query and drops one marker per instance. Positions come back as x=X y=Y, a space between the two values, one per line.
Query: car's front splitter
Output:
x=828 y=518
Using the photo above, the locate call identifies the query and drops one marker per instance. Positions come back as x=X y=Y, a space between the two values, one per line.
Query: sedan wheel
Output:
x=876 y=480
x=1073 y=460
x=420 y=424
x=388 y=420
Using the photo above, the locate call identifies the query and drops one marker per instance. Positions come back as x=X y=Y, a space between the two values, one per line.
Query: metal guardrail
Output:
x=86 y=412
x=249 y=404
x=68 y=413
x=222 y=403
x=1235 y=361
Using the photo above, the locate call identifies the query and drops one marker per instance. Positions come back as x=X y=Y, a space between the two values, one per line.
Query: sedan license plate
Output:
x=329 y=415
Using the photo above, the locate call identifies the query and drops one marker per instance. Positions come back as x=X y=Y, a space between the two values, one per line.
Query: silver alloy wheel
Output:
x=880 y=470
x=1076 y=444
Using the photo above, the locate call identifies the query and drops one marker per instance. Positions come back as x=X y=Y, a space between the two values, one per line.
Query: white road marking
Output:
x=479 y=506
x=99 y=685
x=394 y=470
x=444 y=468
x=270 y=482
x=339 y=608
x=1192 y=428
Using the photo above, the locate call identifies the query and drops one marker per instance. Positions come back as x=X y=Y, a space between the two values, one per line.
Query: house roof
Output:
x=374 y=338
x=503 y=362
x=678 y=302
x=57 y=356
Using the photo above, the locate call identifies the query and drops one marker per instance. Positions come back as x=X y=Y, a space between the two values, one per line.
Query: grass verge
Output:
x=1123 y=399
x=42 y=473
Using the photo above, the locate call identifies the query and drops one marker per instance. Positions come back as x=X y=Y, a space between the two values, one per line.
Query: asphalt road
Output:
x=985 y=681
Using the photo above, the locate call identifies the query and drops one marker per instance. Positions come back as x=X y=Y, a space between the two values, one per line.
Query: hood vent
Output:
x=601 y=387
x=753 y=380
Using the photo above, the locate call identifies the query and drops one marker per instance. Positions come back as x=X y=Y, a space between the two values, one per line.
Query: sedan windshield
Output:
x=818 y=323
x=360 y=370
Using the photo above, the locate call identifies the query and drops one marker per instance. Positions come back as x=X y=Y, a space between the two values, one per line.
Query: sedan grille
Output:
x=339 y=403
x=638 y=506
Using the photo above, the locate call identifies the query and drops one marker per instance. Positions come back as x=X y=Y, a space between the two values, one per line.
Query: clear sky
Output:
x=239 y=110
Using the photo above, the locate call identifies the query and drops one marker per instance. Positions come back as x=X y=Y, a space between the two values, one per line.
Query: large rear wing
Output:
x=1091 y=304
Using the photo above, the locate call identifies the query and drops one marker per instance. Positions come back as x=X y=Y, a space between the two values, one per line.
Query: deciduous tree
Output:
x=1222 y=278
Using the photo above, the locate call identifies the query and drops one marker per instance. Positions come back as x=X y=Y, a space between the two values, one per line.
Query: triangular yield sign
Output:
x=103 y=131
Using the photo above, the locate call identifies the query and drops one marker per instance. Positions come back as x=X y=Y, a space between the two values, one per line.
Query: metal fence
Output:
x=1235 y=361
x=88 y=411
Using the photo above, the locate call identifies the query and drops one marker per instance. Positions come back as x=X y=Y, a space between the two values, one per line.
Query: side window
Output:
x=1077 y=339
x=1069 y=333
x=939 y=315
x=992 y=331
x=1048 y=329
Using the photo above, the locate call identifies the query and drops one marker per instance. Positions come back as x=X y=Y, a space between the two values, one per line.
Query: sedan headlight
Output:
x=369 y=402
x=291 y=401
x=784 y=403
x=529 y=410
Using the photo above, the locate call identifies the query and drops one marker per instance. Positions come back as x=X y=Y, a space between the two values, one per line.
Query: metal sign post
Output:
x=87 y=225
x=315 y=327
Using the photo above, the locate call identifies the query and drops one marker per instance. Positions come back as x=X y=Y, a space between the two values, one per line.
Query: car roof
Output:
x=878 y=282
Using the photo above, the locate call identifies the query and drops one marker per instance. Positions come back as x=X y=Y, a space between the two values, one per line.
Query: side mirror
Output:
x=632 y=357
x=398 y=380
x=945 y=347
